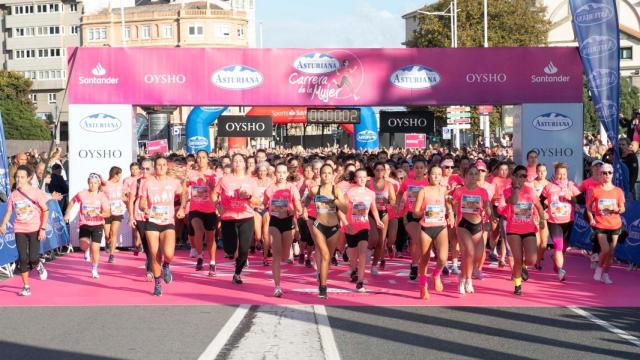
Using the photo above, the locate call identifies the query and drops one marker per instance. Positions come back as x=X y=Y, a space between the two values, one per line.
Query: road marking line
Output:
x=329 y=346
x=211 y=352
x=623 y=334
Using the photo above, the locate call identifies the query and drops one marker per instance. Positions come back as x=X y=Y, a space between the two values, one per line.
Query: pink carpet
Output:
x=123 y=283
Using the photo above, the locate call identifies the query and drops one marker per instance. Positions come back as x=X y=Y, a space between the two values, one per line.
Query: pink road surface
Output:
x=123 y=283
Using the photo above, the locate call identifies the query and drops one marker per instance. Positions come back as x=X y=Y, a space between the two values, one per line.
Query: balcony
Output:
x=48 y=85
x=13 y=21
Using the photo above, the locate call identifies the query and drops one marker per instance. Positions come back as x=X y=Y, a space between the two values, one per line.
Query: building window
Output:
x=97 y=34
x=23 y=9
x=167 y=32
x=73 y=7
x=49 y=30
x=49 y=8
x=196 y=30
x=74 y=29
x=146 y=32
x=222 y=30
x=626 y=53
x=24 y=32
x=33 y=98
x=46 y=53
x=51 y=97
x=25 y=54
x=127 y=33
x=241 y=32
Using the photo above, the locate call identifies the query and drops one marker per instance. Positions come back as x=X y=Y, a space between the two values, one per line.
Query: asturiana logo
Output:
x=98 y=77
x=602 y=78
x=593 y=13
x=549 y=75
x=100 y=123
x=316 y=63
x=552 y=122
x=597 y=45
x=237 y=77
x=415 y=77
x=367 y=136
x=607 y=110
x=197 y=141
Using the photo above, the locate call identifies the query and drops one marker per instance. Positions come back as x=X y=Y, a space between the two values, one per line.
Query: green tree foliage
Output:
x=18 y=113
x=629 y=102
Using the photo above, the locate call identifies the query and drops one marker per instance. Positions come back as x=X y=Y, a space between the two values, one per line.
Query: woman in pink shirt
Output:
x=30 y=206
x=304 y=225
x=237 y=195
x=433 y=208
x=394 y=215
x=360 y=202
x=542 y=236
x=157 y=196
x=114 y=190
x=137 y=218
x=261 y=215
x=385 y=200
x=473 y=207
x=202 y=211
x=499 y=237
x=519 y=209
x=282 y=200
x=532 y=165
x=559 y=197
x=127 y=184
x=94 y=208
x=451 y=181
x=491 y=222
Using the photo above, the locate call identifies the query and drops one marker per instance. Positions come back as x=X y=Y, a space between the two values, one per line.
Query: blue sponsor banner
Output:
x=365 y=134
x=8 y=251
x=197 y=127
x=57 y=233
x=581 y=232
x=596 y=26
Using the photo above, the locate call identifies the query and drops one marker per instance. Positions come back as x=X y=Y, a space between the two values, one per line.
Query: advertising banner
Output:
x=408 y=122
x=555 y=132
x=8 y=251
x=101 y=139
x=157 y=147
x=242 y=126
x=197 y=127
x=56 y=233
x=321 y=77
x=415 y=141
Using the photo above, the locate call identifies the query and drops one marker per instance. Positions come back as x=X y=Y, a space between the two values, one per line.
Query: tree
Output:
x=629 y=102
x=18 y=112
x=510 y=23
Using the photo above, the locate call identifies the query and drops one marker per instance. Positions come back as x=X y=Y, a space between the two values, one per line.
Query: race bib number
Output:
x=606 y=206
x=117 y=207
x=523 y=211
x=199 y=193
x=324 y=204
x=359 y=212
x=471 y=204
x=382 y=200
x=24 y=212
x=159 y=214
x=279 y=208
x=412 y=192
x=91 y=211
x=434 y=214
x=560 y=209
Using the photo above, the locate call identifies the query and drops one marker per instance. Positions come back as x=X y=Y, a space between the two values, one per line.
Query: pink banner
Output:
x=157 y=147
x=317 y=77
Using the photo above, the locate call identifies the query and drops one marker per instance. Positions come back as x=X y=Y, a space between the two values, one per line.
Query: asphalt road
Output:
x=184 y=332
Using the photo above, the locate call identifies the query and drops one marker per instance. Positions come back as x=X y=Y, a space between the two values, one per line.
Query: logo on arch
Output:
x=197 y=142
x=316 y=63
x=415 y=77
x=237 y=77
x=367 y=136
x=593 y=13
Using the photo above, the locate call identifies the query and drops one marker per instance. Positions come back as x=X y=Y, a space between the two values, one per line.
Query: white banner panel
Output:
x=555 y=131
x=100 y=136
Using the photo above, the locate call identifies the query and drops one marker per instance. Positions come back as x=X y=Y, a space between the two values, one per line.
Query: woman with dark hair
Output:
x=114 y=191
x=385 y=200
x=542 y=236
x=30 y=224
x=532 y=165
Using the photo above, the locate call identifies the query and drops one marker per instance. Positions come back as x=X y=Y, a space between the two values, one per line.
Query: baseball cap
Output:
x=607 y=167
x=481 y=165
x=447 y=162
x=597 y=162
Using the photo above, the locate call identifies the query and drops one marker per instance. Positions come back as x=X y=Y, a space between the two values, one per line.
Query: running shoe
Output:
x=461 y=286
x=307 y=263
x=518 y=290
x=290 y=261
x=94 y=274
x=26 y=291
x=296 y=249
x=382 y=264
x=445 y=270
x=468 y=286
x=597 y=276
x=166 y=274
x=562 y=274
x=393 y=252
x=354 y=276
x=322 y=291
x=42 y=272
x=212 y=270
x=374 y=271
x=478 y=274
x=236 y=279
x=454 y=269
x=149 y=276
x=252 y=250
x=525 y=273
x=111 y=259
x=157 y=289
x=277 y=292
x=606 y=279
x=360 y=287
x=265 y=262
x=345 y=257
x=501 y=263
x=493 y=257
x=413 y=274
x=594 y=261
x=199 y=264
x=301 y=258
x=87 y=255
x=334 y=261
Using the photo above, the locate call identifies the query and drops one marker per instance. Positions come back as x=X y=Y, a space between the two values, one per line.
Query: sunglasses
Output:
x=94 y=176
x=482 y=170
x=607 y=172
x=146 y=169
x=447 y=167
x=521 y=176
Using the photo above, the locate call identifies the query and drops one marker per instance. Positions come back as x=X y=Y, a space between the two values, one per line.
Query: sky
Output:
x=333 y=23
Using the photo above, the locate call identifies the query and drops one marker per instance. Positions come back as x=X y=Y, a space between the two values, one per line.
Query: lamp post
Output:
x=486 y=117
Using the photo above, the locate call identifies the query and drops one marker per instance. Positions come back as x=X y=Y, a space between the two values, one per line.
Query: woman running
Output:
x=560 y=197
x=261 y=216
x=518 y=206
x=473 y=208
x=501 y=181
x=30 y=225
x=282 y=199
x=392 y=228
x=604 y=206
x=490 y=221
x=433 y=208
x=114 y=190
x=532 y=165
x=542 y=236
x=237 y=195
x=408 y=192
x=127 y=184
x=202 y=211
x=385 y=200
x=305 y=224
x=94 y=208
x=360 y=202
x=157 y=195
x=137 y=218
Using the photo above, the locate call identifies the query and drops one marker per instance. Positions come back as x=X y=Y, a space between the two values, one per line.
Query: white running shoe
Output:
x=296 y=249
x=193 y=253
x=277 y=292
x=374 y=270
x=94 y=274
x=468 y=286
x=594 y=261
x=606 y=279
x=87 y=255
x=461 y=286
x=42 y=272
x=597 y=276
x=562 y=273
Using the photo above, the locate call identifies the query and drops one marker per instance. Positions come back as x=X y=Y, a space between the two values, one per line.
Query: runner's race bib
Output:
x=560 y=209
x=606 y=206
x=117 y=207
x=434 y=213
x=324 y=204
x=24 y=212
x=523 y=211
x=471 y=204
x=159 y=214
x=199 y=193
x=279 y=207
x=91 y=212
x=359 y=212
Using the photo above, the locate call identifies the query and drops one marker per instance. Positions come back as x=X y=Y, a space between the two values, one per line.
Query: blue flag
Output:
x=8 y=251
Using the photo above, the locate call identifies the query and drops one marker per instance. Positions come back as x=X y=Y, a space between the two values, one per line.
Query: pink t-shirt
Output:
x=233 y=206
x=500 y=184
x=160 y=199
x=470 y=202
x=392 y=209
x=359 y=200
x=91 y=207
x=587 y=185
x=452 y=182
x=113 y=192
x=382 y=195
x=127 y=183
x=434 y=209
x=489 y=188
x=411 y=187
x=559 y=209
x=531 y=173
x=133 y=190
x=281 y=201
x=306 y=187
x=200 y=187
x=28 y=215
x=261 y=186
x=521 y=216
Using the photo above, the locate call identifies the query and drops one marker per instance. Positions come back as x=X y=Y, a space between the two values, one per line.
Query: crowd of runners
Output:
x=448 y=212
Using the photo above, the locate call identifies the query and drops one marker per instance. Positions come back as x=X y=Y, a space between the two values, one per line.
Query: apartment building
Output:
x=35 y=37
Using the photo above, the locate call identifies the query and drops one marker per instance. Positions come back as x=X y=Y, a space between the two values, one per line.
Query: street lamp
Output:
x=452 y=12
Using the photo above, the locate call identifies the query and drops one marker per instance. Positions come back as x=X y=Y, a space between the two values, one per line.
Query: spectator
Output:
x=629 y=158
x=58 y=185
x=20 y=159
